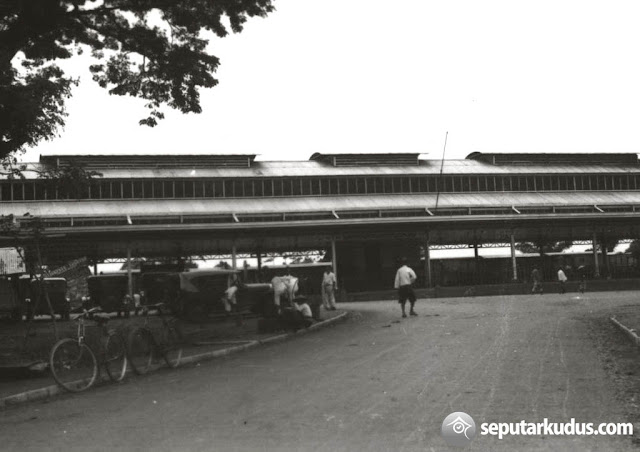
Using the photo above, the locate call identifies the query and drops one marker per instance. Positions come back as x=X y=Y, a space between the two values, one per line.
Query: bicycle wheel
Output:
x=73 y=365
x=172 y=340
x=140 y=349
x=115 y=357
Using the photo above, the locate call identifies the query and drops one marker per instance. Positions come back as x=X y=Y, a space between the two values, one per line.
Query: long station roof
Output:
x=326 y=165
x=234 y=213
x=328 y=204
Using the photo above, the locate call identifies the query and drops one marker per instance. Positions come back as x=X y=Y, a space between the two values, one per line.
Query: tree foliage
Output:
x=543 y=246
x=634 y=249
x=71 y=182
x=609 y=242
x=179 y=264
x=155 y=50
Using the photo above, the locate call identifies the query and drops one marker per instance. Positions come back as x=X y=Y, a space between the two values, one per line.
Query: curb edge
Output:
x=53 y=390
x=629 y=332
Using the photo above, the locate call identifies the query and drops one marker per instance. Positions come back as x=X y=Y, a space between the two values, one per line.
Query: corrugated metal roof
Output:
x=318 y=169
x=523 y=158
x=140 y=208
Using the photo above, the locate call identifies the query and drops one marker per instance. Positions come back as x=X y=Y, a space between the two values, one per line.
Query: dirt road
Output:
x=376 y=382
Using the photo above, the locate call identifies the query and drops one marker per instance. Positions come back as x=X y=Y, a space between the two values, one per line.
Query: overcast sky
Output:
x=394 y=76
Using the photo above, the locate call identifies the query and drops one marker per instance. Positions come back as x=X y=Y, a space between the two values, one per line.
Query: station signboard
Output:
x=10 y=262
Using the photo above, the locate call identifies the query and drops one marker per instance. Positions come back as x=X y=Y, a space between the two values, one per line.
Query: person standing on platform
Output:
x=328 y=289
x=583 y=283
x=405 y=277
x=537 y=281
x=562 y=279
x=137 y=305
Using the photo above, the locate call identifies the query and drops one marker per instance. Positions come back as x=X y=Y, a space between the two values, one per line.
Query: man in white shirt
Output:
x=305 y=310
x=136 y=303
x=299 y=315
x=562 y=278
x=328 y=289
x=405 y=277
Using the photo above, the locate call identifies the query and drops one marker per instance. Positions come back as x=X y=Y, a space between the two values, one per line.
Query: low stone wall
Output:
x=595 y=285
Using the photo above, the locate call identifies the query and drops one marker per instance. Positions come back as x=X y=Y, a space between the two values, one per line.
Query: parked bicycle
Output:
x=73 y=362
x=143 y=349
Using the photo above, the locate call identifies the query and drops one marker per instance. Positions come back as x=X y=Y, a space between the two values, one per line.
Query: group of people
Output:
x=302 y=313
x=296 y=313
x=405 y=278
x=536 y=278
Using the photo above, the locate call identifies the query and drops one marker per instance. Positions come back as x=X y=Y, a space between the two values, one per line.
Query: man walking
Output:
x=405 y=277
x=562 y=279
x=537 y=281
x=328 y=289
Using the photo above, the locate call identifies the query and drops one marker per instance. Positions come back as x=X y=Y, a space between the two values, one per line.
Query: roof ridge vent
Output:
x=367 y=159
x=150 y=161
x=555 y=159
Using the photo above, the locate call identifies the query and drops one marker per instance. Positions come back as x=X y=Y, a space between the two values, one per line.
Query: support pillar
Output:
x=334 y=259
x=476 y=263
x=427 y=265
x=129 y=272
x=514 y=266
x=259 y=257
x=605 y=257
x=596 y=265
x=95 y=268
x=234 y=260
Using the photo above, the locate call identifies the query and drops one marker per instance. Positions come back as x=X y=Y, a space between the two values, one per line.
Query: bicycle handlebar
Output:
x=86 y=313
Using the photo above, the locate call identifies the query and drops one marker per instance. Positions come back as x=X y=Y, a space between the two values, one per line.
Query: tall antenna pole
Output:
x=441 y=169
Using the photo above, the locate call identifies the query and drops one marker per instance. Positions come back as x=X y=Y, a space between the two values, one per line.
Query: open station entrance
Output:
x=360 y=212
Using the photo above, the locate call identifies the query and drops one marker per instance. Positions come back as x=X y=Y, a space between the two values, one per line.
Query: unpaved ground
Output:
x=619 y=356
x=16 y=376
x=373 y=383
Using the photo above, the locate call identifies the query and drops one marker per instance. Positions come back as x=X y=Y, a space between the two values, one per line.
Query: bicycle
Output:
x=73 y=362
x=143 y=349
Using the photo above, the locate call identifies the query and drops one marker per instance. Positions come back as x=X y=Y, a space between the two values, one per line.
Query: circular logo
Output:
x=458 y=429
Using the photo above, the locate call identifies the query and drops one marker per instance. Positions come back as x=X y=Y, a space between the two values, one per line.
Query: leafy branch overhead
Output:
x=155 y=50
x=543 y=246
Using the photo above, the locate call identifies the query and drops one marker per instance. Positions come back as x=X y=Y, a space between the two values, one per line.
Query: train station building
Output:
x=365 y=210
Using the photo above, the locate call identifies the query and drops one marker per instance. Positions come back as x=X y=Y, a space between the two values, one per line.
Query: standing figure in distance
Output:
x=405 y=277
x=562 y=279
x=328 y=289
x=583 y=283
x=137 y=305
x=537 y=281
